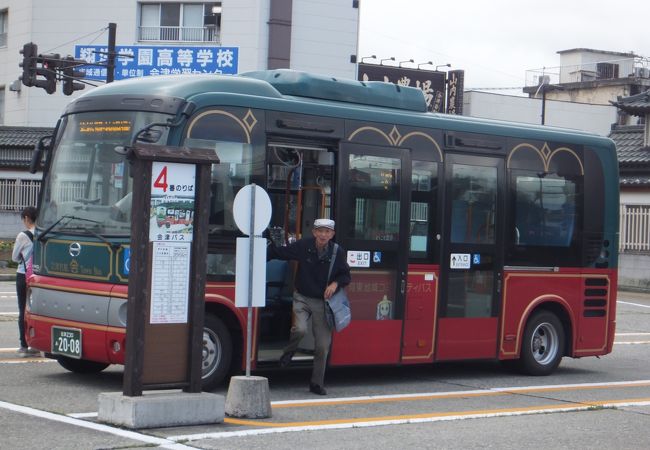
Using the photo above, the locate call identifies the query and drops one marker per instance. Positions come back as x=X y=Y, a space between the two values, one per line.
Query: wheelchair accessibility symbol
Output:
x=476 y=258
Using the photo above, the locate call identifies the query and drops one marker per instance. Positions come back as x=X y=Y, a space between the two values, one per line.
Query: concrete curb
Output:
x=7 y=277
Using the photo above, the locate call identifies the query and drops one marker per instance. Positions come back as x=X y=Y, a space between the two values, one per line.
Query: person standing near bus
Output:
x=22 y=253
x=313 y=287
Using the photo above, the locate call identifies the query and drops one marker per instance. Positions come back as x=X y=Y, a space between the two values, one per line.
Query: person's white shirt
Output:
x=23 y=246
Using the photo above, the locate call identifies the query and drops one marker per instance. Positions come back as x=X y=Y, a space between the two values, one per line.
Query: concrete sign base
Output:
x=160 y=409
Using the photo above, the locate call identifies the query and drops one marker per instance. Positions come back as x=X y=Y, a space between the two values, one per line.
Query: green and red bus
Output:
x=468 y=239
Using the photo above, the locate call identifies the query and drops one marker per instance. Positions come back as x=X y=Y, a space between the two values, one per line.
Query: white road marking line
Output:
x=89 y=415
x=26 y=360
x=632 y=343
x=470 y=392
x=8 y=313
x=162 y=442
x=633 y=304
x=632 y=334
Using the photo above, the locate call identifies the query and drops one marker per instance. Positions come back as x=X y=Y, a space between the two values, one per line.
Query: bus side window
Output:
x=424 y=196
x=546 y=215
x=545 y=211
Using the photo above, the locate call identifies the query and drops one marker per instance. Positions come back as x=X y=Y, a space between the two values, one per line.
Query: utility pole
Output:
x=110 y=62
x=544 y=103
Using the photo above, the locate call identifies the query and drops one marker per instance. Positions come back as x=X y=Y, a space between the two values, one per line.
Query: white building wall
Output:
x=593 y=118
x=244 y=25
x=601 y=95
x=56 y=27
x=634 y=198
x=324 y=35
x=572 y=63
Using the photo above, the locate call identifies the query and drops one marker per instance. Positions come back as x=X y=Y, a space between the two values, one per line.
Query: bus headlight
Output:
x=121 y=314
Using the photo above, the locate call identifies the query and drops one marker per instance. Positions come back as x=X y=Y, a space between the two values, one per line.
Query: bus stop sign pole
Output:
x=249 y=396
x=251 y=255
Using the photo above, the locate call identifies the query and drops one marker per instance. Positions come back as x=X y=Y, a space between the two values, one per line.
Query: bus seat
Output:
x=276 y=275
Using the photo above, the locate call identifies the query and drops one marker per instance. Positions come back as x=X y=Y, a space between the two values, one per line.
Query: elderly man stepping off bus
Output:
x=312 y=289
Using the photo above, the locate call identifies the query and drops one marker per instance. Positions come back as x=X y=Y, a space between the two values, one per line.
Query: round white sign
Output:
x=242 y=209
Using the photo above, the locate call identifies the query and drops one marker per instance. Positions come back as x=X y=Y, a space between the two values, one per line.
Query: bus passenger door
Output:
x=472 y=258
x=372 y=217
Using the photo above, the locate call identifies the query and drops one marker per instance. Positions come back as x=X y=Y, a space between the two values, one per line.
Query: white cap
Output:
x=324 y=223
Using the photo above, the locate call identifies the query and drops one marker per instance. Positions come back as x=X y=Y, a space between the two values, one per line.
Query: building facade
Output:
x=633 y=148
x=579 y=116
x=318 y=36
x=590 y=76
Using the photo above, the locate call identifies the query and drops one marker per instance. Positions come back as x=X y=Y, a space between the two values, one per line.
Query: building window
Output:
x=607 y=70
x=3 y=27
x=186 y=22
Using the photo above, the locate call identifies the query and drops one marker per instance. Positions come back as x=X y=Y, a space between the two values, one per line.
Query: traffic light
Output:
x=49 y=64
x=29 y=52
x=69 y=75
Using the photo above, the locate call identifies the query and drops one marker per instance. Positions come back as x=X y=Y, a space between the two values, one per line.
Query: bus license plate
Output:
x=66 y=341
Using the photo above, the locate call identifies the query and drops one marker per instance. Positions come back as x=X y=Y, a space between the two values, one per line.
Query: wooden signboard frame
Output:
x=165 y=355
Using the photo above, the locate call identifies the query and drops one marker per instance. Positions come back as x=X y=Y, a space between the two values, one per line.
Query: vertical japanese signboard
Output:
x=171 y=219
x=455 y=86
x=142 y=61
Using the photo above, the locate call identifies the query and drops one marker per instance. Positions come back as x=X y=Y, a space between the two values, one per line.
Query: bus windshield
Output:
x=88 y=184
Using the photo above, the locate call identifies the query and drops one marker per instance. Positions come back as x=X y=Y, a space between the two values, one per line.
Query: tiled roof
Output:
x=638 y=105
x=21 y=137
x=634 y=180
x=629 y=145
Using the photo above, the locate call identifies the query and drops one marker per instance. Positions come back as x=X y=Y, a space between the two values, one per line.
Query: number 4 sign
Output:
x=172 y=179
x=161 y=181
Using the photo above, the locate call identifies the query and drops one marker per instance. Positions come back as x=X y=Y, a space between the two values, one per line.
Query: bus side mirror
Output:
x=41 y=146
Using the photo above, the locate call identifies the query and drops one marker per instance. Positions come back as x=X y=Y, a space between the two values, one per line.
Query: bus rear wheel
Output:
x=80 y=365
x=217 y=352
x=543 y=345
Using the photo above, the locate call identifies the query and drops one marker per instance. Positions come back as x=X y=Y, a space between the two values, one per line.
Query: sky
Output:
x=497 y=41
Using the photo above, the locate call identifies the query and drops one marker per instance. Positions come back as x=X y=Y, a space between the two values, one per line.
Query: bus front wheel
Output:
x=217 y=352
x=80 y=365
x=543 y=344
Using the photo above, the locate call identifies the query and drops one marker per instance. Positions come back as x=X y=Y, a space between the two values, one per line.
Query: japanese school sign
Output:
x=142 y=61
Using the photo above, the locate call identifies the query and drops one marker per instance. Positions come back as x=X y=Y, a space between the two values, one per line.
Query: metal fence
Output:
x=635 y=229
x=16 y=194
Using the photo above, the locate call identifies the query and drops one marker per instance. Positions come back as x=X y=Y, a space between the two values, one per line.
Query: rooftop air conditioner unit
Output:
x=642 y=72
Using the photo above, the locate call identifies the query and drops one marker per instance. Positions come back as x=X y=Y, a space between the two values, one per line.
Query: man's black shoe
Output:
x=285 y=359
x=316 y=389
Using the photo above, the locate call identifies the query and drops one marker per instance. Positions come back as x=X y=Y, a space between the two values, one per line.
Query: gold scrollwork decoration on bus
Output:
x=246 y=124
x=545 y=155
x=395 y=138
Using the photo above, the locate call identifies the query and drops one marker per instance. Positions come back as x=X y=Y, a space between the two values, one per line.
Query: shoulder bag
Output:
x=337 y=307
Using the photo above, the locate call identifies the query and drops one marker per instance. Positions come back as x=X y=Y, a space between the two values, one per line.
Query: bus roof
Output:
x=299 y=92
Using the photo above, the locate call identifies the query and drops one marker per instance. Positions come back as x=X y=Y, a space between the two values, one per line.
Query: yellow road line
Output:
x=478 y=412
